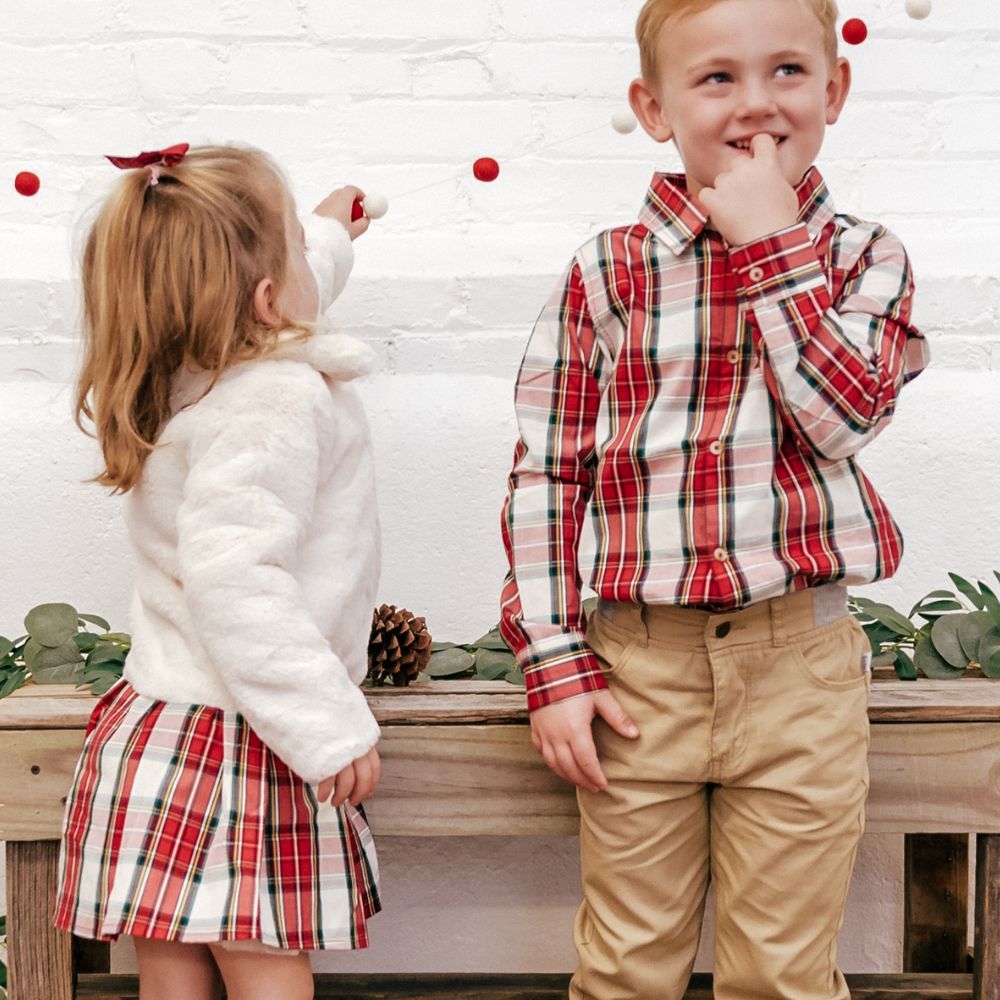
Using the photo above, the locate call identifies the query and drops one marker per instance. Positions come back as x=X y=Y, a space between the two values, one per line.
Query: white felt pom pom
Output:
x=624 y=121
x=918 y=9
x=375 y=204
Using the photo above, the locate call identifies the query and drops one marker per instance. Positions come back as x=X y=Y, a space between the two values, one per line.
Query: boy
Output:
x=704 y=379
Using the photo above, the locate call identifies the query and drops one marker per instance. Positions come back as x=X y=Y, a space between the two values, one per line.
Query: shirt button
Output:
x=733 y=357
x=756 y=273
x=721 y=631
x=715 y=447
x=721 y=555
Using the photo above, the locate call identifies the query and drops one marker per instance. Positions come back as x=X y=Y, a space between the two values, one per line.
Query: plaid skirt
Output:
x=181 y=825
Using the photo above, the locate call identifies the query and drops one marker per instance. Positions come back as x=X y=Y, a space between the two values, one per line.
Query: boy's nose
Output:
x=755 y=101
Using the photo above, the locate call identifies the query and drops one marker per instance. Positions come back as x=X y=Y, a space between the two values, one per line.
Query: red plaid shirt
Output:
x=708 y=402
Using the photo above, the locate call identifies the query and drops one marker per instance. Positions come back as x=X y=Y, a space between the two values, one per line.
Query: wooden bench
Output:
x=935 y=770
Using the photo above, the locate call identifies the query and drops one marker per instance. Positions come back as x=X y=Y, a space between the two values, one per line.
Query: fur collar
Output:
x=329 y=351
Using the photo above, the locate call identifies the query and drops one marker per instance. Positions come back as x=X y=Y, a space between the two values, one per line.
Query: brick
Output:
x=294 y=69
x=59 y=73
x=175 y=70
x=429 y=19
x=573 y=70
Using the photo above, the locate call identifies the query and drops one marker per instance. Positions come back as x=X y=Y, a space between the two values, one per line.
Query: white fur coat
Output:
x=257 y=543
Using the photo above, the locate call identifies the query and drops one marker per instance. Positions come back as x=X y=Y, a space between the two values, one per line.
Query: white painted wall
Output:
x=393 y=94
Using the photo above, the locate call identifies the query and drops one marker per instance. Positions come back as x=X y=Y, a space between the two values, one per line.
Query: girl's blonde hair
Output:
x=655 y=13
x=169 y=272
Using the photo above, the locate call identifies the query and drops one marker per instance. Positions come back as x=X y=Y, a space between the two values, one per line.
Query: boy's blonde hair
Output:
x=169 y=272
x=655 y=13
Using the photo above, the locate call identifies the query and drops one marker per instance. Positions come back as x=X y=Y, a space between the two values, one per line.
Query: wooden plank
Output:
x=538 y=987
x=935 y=902
x=38 y=770
x=39 y=957
x=986 y=980
x=475 y=780
x=934 y=778
x=969 y=700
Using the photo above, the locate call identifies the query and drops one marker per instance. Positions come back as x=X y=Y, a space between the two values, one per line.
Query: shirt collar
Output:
x=677 y=219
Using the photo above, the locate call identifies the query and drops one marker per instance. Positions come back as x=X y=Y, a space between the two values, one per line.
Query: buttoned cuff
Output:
x=556 y=674
x=777 y=266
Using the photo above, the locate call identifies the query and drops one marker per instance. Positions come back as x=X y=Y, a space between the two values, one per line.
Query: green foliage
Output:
x=59 y=647
x=941 y=637
x=488 y=658
x=3 y=956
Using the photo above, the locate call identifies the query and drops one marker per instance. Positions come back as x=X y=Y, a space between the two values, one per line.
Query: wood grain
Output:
x=986 y=983
x=462 y=780
x=539 y=987
x=455 y=702
x=39 y=956
x=935 y=902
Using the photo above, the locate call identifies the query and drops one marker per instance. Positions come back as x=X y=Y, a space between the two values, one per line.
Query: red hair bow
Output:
x=168 y=157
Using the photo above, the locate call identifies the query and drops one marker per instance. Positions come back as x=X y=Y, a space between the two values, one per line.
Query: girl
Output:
x=214 y=811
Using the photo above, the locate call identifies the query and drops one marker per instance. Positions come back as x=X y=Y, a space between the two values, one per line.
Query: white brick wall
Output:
x=393 y=95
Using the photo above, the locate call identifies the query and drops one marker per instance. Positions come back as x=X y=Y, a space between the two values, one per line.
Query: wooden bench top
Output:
x=971 y=699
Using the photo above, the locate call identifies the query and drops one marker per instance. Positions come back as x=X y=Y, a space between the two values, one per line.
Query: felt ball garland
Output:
x=27 y=183
x=854 y=31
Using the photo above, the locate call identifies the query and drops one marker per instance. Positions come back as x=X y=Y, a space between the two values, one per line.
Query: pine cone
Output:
x=399 y=647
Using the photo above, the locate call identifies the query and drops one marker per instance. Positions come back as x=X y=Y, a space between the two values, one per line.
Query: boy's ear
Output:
x=265 y=303
x=648 y=109
x=836 y=90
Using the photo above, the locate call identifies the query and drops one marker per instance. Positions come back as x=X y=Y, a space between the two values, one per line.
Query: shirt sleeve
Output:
x=556 y=401
x=248 y=499
x=834 y=369
x=330 y=255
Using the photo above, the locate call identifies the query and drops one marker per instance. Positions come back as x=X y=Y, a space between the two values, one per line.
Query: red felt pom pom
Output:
x=357 y=210
x=486 y=169
x=27 y=183
x=855 y=31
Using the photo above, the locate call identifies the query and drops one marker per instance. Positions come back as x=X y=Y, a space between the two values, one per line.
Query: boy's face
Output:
x=736 y=69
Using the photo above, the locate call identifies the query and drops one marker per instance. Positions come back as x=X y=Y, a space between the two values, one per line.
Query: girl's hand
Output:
x=354 y=783
x=338 y=205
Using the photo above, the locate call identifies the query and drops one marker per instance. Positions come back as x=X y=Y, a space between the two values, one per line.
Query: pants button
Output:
x=721 y=631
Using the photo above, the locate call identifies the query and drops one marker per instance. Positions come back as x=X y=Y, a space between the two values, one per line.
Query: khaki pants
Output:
x=751 y=769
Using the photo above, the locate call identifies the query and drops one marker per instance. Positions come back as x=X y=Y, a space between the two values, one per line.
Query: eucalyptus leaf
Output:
x=52 y=624
x=991 y=603
x=437 y=647
x=38 y=657
x=5 y=646
x=971 y=629
x=61 y=673
x=12 y=681
x=106 y=652
x=905 y=670
x=936 y=606
x=885 y=659
x=968 y=590
x=450 y=663
x=492 y=665
x=96 y=620
x=103 y=684
x=927 y=660
x=989 y=646
x=492 y=640
x=515 y=677
x=944 y=635
x=893 y=619
x=85 y=641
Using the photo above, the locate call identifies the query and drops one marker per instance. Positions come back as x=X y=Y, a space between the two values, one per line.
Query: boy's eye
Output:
x=789 y=69
x=719 y=77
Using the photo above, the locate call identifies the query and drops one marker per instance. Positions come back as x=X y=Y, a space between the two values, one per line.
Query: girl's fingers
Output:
x=325 y=789
x=345 y=785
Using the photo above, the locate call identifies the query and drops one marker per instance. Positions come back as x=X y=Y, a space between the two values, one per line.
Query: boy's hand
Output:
x=752 y=199
x=562 y=734
x=354 y=783
x=338 y=204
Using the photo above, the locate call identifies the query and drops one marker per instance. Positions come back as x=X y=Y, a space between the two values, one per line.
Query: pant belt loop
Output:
x=778 y=635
